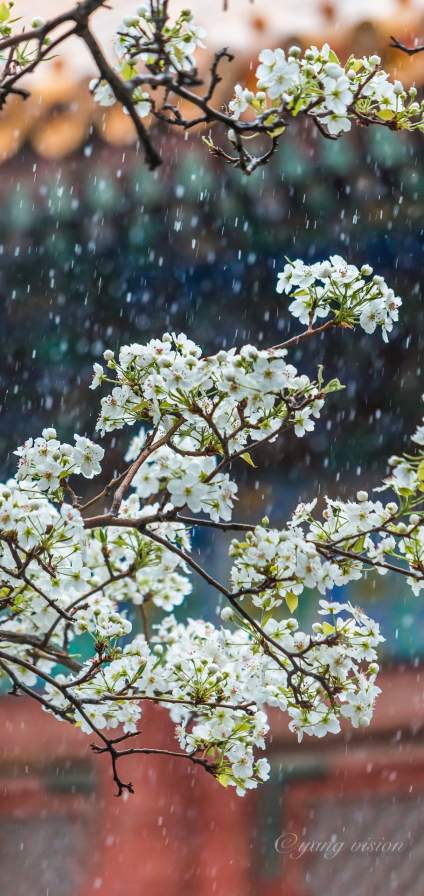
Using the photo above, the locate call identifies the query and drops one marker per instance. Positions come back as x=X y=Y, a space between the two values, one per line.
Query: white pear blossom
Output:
x=102 y=92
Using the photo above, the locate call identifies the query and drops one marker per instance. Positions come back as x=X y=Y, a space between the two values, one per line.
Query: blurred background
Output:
x=97 y=251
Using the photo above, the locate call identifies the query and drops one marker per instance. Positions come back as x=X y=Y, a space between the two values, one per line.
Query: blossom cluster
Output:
x=407 y=472
x=316 y=83
x=196 y=483
x=349 y=294
x=137 y=39
x=27 y=53
x=131 y=667
x=405 y=537
x=217 y=681
x=79 y=580
x=340 y=544
x=357 y=535
x=127 y=566
x=45 y=462
x=212 y=408
x=273 y=565
x=140 y=39
x=42 y=567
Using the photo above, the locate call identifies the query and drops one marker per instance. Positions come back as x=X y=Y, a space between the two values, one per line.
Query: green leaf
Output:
x=276 y=132
x=4 y=12
x=224 y=779
x=405 y=491
x=128 y=71
x=266 y=617
x=248 y=459
x=386 y=114
x=333 y=57
x=292 y=601
x=300 y=292
x=334 y=386
x=359 y=544
x=298 y=106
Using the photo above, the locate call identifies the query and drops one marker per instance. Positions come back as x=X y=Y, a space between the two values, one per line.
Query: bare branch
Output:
x=411 y=51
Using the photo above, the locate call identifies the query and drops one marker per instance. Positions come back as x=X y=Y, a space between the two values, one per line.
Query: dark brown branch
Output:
x=122 y=93
x=311 y=331
x=80 y=10
x=144 y=454
x=37 y=644
x=411 y=51
x=150 y=751
x=224 y=527
x=329 y=550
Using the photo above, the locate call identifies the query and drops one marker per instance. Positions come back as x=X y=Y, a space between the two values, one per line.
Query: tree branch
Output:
x=411 y=51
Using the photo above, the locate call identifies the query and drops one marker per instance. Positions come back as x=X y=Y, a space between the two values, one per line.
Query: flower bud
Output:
x=130 y=21
x=227 y=614
x=333 y=70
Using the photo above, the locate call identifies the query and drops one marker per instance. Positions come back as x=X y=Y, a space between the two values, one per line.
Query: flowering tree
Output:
x=70 y=566
x=156 y=69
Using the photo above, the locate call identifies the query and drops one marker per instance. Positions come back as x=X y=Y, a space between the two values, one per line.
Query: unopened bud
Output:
x=130 y=21
x=227 y=614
